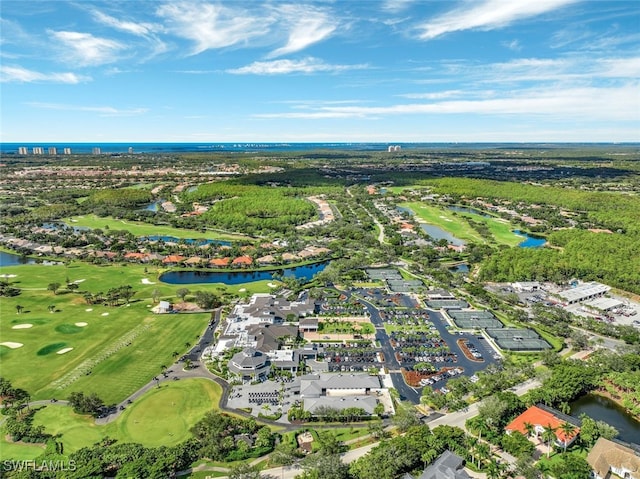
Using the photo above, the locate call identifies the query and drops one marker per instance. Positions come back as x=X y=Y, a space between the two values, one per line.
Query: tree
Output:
x=571 y=466
x=52 y=308
x=567 y=429
x=53 y=287
x=182 y=293
x=244 y=471
x=406 y=416
x=155 y=295
x=86 y=404
x=494 y=469
x=19 y=308
x=318 y=466
x=529 y=428
x=73 y=286
x=549 y=436
x=329 y=443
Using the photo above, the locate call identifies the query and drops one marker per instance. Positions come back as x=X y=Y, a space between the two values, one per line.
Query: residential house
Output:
x=219 y=262
x=173 y=259
x=610 y=459
x=242 y=261
x=447 y=466
x=541 y=418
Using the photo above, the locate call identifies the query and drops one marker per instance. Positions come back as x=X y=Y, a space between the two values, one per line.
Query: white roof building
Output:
x=583 y=292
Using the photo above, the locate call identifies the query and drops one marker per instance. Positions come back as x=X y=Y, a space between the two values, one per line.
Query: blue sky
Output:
x=381 y=71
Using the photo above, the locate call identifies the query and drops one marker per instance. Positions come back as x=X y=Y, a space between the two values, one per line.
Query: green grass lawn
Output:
x=454 y=223
x=162 y=417
x=117 y=370
x=145 y=229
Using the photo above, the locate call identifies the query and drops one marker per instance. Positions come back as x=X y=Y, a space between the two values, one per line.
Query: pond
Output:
x=11 y=259
x=604 y=409
x=153 y=206
x=305 y=272
x=530 y=241
x=467 y=209
x=197 y=242
x=434 y=231
x=438 y=233
x=460 y=268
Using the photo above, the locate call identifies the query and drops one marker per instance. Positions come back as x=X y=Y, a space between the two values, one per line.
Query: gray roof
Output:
x=447 y=466
x=312 y=384
x=584 y=291
x=248 y=358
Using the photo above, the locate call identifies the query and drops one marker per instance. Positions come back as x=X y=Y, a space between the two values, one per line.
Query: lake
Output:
x=530 y=241
x=305 y=272
x=434 y=231
x=11 y=259
x=604 y=409
x=467 y=209
x=438 y=233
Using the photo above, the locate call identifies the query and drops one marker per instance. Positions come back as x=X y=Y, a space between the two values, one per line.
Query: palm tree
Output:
x=429 y=456
x=494 y=469
x=19 y=308
x=548 y=436
x=52 y=308
x=483 y=451
x=568 y=429
x=529 y=429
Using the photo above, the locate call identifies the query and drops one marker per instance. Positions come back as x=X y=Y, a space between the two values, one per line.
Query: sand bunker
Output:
x=146 y=281
x=22 y=326
x=11 y=345
x=88 y=310
x=271 y=285
x=242 y=290
x=78 y=281
x=81 y=324
x=105 y=314
x=8 y=275
x=65 y=350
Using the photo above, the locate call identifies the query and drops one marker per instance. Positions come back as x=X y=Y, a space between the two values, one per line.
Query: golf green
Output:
x=162 y=417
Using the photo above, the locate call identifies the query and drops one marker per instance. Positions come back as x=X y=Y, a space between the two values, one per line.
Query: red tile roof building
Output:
x=540 y=419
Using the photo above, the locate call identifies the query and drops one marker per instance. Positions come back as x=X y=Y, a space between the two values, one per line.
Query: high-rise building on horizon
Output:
x=38 y=150
x=23 y=150
x=96 y=151
x=53 y=150
x=131 y=150
x=67 y=151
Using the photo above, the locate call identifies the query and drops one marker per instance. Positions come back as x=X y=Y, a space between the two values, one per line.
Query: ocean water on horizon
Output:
x=117 y=148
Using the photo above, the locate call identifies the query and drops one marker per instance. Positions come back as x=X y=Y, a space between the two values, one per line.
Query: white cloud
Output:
x=513 y=45
x=440 y=95
x=307 y=25
x=396 y=5
x=597 y=104
x=282 y=67
x=212 y=26
x=101 y=110
x=86 y=49
x=19 y=74
x=487 y=15
x=139 y=29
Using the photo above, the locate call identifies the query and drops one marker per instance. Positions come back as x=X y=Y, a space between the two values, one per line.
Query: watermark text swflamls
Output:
x=32 y=465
